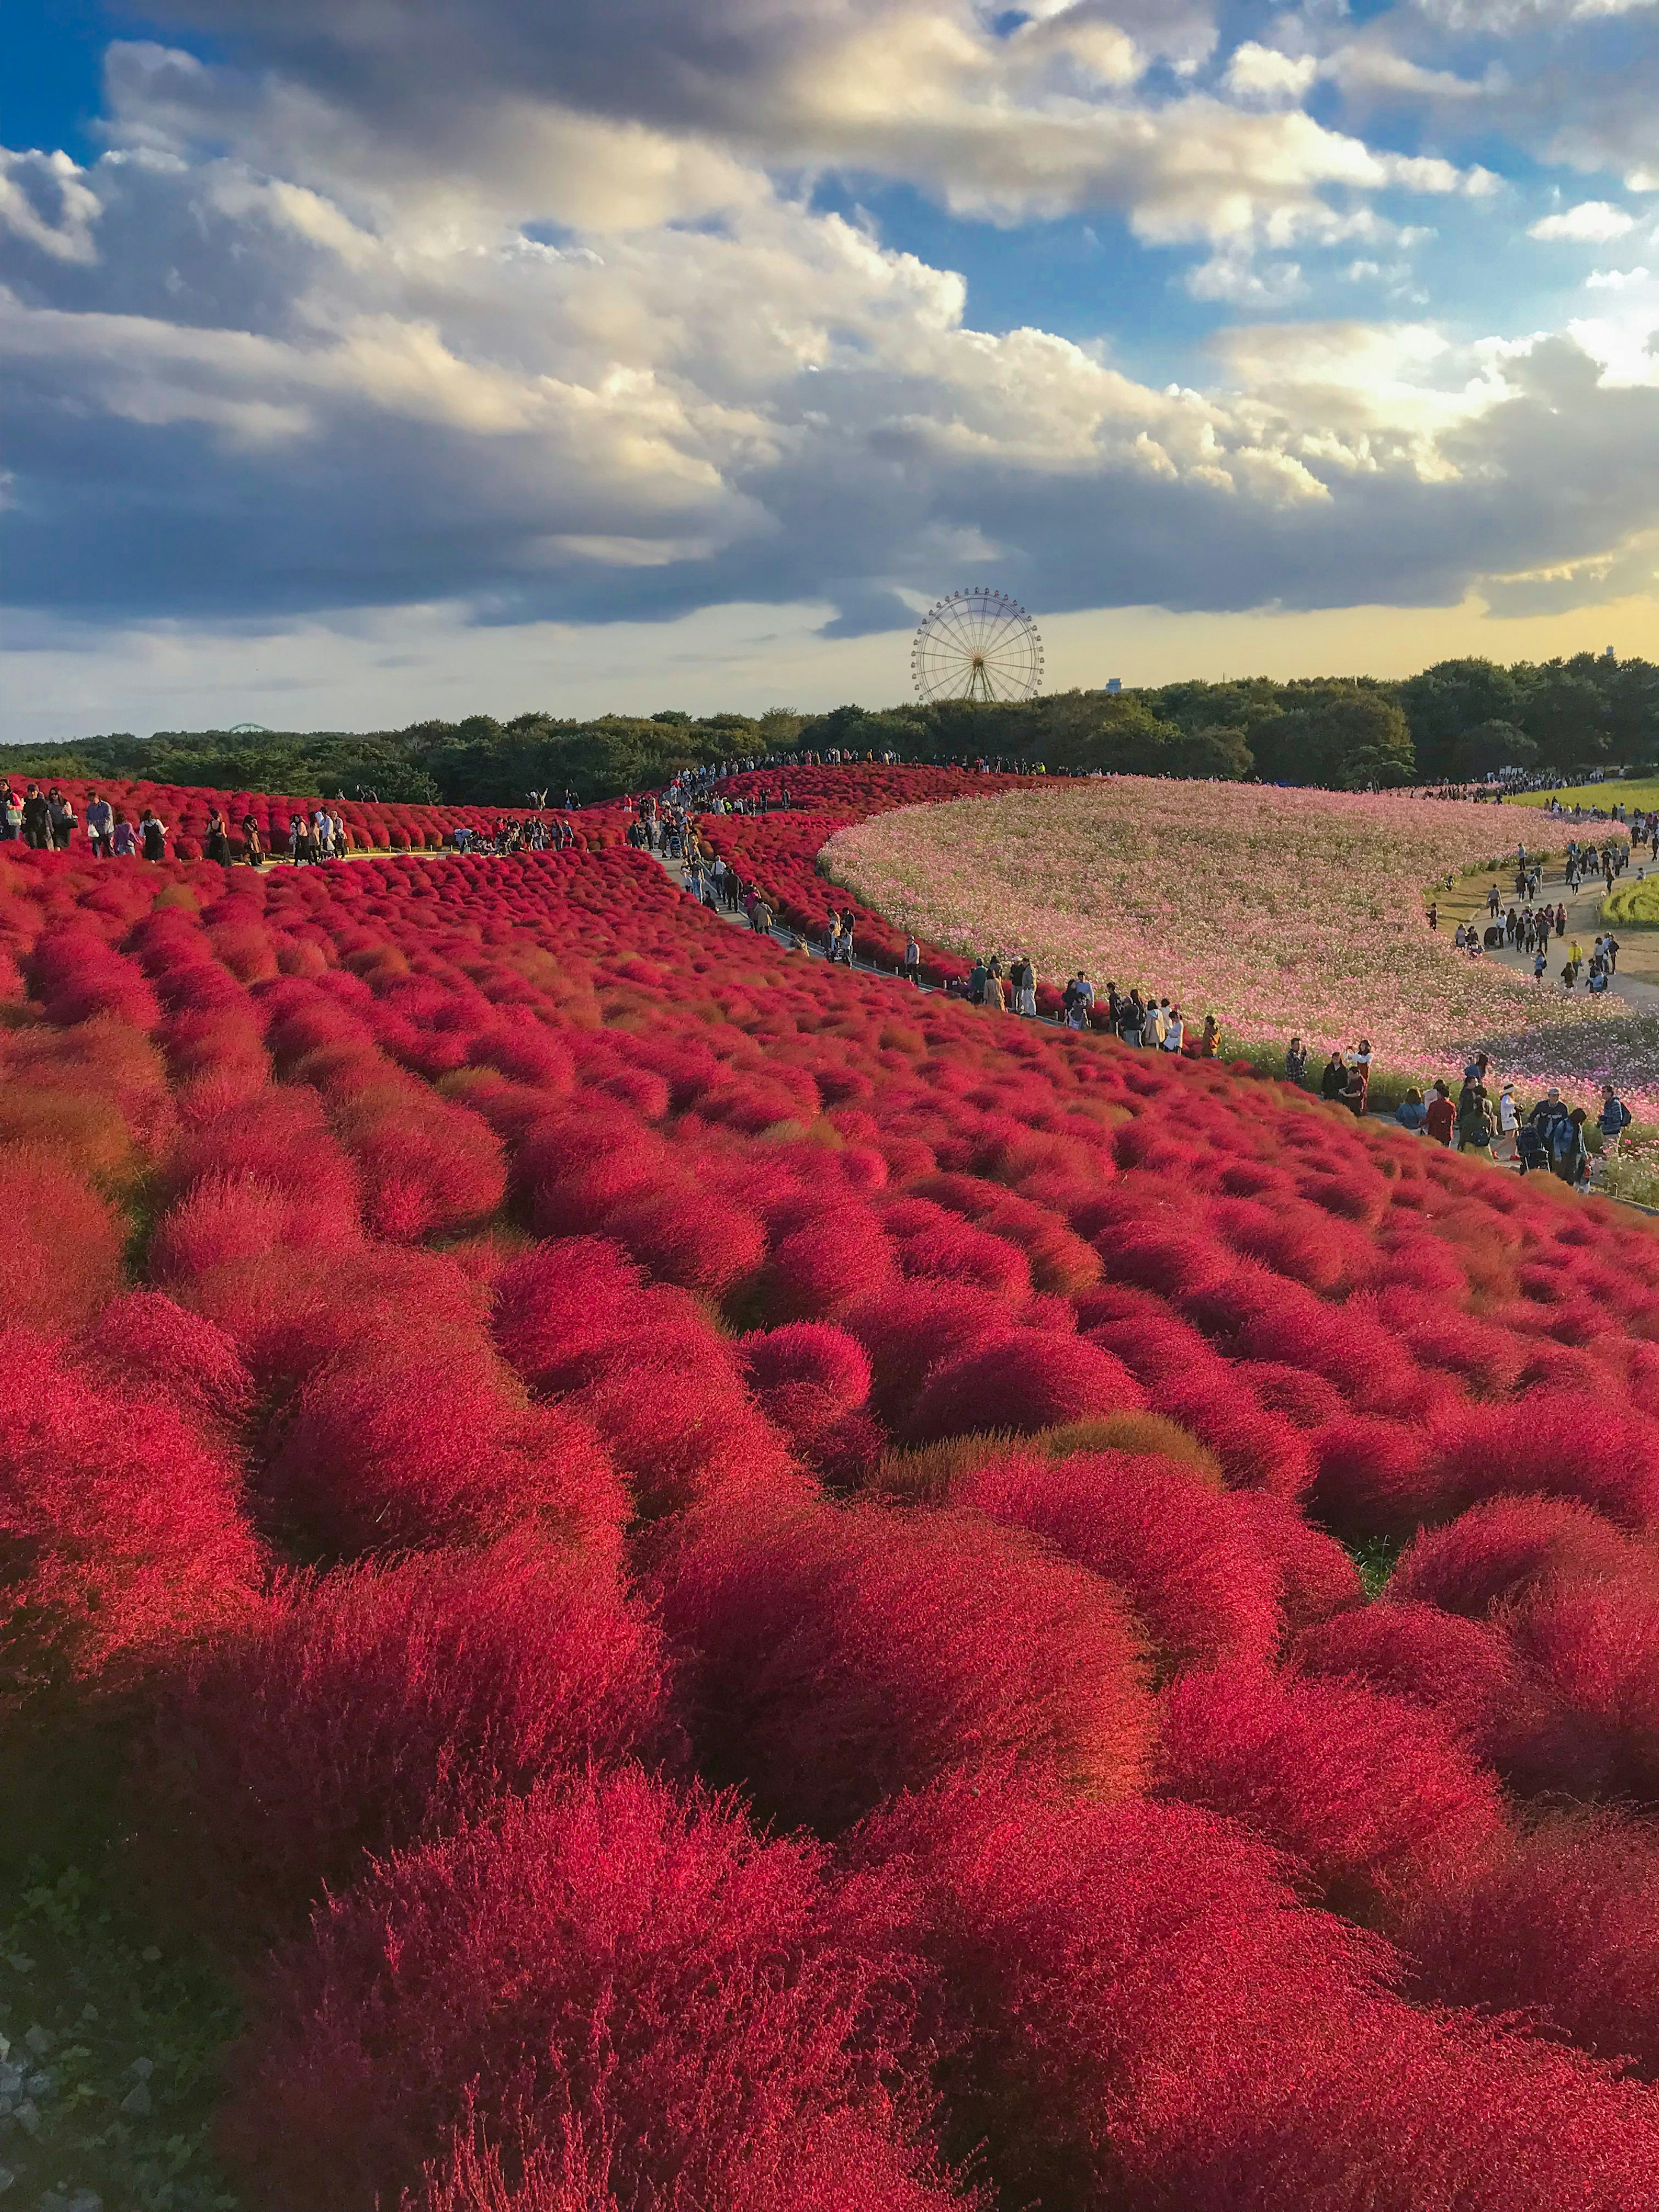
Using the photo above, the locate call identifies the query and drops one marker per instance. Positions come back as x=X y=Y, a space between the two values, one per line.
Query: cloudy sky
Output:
x=365 y=359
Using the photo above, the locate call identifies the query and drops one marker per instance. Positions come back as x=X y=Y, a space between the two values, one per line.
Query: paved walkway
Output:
x=1636 y=980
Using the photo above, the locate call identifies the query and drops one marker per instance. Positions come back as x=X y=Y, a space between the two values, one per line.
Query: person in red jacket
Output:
x=1441 y=1120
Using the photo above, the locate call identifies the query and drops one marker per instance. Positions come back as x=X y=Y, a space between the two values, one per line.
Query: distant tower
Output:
x=1113 y=682
x=1610 y=654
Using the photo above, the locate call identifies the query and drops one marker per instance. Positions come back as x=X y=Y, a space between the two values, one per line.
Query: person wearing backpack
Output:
x=1614 y=1119
x=1569 y=1154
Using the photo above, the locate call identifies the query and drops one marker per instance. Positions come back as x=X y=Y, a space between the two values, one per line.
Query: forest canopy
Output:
x=1459 y=720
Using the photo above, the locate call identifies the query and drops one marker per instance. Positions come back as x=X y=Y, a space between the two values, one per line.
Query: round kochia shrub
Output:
x=1115 y=1983
x=121 y=1533
x=1564 y=1923
x=1200 y=1587
x=60 y=1257
x=143 y=1341
x=1369 y=1795
x=834 y=1656
x=1501 y=1549
x=1465 y=1671
x=568 y=1311
x=365 y=1709
x=1023 y=1379
x=392 y=1447
x=806 y=1375
x=717 y=2011
x=1590 y=1647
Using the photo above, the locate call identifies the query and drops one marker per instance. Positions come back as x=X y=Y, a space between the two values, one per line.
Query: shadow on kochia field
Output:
x=110 y=2025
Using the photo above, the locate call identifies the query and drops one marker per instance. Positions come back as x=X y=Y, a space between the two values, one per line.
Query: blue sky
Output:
x=363 y=363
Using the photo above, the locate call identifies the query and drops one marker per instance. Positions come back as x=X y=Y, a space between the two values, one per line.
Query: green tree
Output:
x=1344 y=739
x=1445 y=703
x=1564 y=712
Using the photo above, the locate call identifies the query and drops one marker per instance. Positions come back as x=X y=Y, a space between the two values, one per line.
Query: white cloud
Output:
x=1262 y=75
x=46 y=202
x=1592 y=223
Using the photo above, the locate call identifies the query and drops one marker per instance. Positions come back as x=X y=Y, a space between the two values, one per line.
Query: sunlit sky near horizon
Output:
x=366 y=363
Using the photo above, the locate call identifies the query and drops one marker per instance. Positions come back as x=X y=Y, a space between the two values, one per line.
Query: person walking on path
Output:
x=1209 y=1042
x=154 y=832
x=1474 y=1126
x=217 y=843
x=1570 y=1158
x=913 y=961
x=1022 y=976
x=1613 y=1121
x=1509 y=1124
x=253 y=851
x=1441 y=1120
x=1411 y=1114
x=37 y=827
x=60 y=815
x=124 y=838
x=101 y=820
x=1295 y=1063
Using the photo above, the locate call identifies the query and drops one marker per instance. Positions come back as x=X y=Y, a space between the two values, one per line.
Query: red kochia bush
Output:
x=143 y=1340
x=1316 y=1577
x=1199 y=1586
x=1564 y=1923
x=1023 y=1379
x=806 y=1375
x=121 y=1535
x=225 y=1222
x=60 y=1256
x=817 y=1270
x=614 y=1965
x=1591 y=1648
x=1369 y=1795
x=390 y=1447
x=843 y=2166
x=370 y=1708
x=1504 y=1547
x=689 y=1238
x=1463 y=1670
x=683 y=1439
x=425 y=1166
x=909 y=1329
x=835 y=1657
x=570 y=1309
x=1543 y=1443
x=1113 y=1979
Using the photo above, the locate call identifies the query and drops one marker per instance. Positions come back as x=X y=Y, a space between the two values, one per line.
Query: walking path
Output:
x=1637 y=980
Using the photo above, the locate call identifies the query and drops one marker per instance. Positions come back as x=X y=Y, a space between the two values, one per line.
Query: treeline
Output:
x=1459 y=720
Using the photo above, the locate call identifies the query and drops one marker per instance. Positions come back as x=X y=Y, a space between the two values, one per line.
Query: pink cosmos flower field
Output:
x=1278 y=911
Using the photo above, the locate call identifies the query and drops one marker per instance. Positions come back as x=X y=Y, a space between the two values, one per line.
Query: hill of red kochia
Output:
x=778 y=853
x=733 y=1586
x=371 y=826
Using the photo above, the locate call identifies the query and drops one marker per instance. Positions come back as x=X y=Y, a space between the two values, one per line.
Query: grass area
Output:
x=1375 y=1560
x=1643 y=792
x=111 y=2025
x=1632 y=906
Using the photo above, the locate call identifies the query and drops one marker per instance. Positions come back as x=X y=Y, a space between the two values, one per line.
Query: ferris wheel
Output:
x=976 y=644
